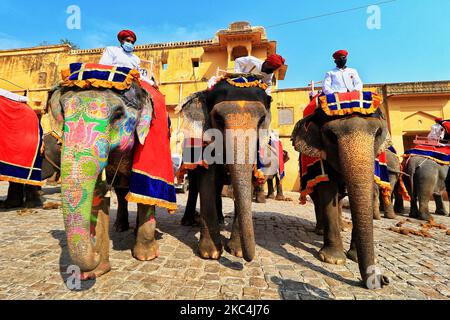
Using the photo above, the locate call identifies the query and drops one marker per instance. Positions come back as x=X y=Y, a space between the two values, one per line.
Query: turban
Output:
x=275 y=60
x=438 y=120
x=340 y=53
x=125 y=34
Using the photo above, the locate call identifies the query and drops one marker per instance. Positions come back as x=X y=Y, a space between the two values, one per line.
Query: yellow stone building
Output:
x=182 y=68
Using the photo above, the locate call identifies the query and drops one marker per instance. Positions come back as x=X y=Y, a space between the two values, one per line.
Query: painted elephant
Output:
x=348 y=145
x=28 y=196
x=426 y=180
x=225 y=114
x=100 y=128
x=396 y=203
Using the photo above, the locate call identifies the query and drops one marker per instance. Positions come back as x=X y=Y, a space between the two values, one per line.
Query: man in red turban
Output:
x=127 y=35
x=342 y=78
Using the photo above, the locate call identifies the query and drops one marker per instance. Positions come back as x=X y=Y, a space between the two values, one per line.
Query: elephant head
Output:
x=94 y=123
x=237 y=116
x=350 y=145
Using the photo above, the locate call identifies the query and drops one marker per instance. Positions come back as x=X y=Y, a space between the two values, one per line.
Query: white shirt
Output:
x=342 y=80
x=252 y=64
x=437 y=132
x=116 y=56
x=12 y=96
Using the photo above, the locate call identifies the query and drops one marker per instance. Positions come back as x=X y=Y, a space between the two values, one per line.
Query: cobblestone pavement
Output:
x=34 y=260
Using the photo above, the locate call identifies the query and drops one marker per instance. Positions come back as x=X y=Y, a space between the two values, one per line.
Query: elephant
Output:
x=348 y=146
x=270 y=189
x=396 y=203
x=28 y=196
x=426 y=179
x=101 y=127
x=224 y=112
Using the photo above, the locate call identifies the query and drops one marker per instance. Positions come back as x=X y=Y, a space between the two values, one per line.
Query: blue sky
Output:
x=413 y=43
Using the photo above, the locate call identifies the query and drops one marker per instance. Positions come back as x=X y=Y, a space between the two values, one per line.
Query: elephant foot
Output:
x=377 y=282
x=103 y=268
x=390 y=215
x=31 y=204
x=146 y=247
x=376 y=215
x=191 y=220
x=282 y=198
x=146 y=251
x=426 y=217
x=352 y=255
x=260 y=198
x=319 y=231
x=121 y=226
x=11 y=204
x=208 y=250
x=271 y=196
x=414 y=214
x=332 y=255
x=441 y=212
x=234 y=248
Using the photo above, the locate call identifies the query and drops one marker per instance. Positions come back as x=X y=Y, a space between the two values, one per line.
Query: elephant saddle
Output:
x=439 y=154
x=93 y=75
x=20 y=143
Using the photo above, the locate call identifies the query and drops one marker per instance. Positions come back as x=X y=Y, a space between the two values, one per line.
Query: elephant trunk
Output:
x=356 y=152
x=241 y=175
x=79 y=177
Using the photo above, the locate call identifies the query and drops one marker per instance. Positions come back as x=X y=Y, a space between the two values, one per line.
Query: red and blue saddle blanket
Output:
x=340 y=104
x=88 y=75
x=20 y=143
x=152 y=176
x=438 y=154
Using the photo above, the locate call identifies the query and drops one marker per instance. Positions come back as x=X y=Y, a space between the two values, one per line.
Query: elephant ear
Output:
x=307 y=138
x=384 y=140
x=195 y=114
x=145 y=119
x=55 y=111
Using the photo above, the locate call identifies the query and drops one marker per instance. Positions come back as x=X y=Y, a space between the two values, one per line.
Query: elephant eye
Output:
x=118 y=113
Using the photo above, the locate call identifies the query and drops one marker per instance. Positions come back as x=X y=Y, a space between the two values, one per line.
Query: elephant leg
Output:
x=332 y=250
x=424 y=192
x=210 y=246
x=280 y=195
x=319 y=216
x=376 y=202
x=146 y=247
x=190 y=213
x=219 y=189
x=234 y=246
x=121 y=224
x=399 y=206
x=440 y=209
x=32 y=197
x=100 y=227
x=271 y=190
x=389 y=211
x=259 y=193
x=15 y=196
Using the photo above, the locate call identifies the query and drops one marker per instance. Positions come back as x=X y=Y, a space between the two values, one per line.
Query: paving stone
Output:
x=33 y=263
